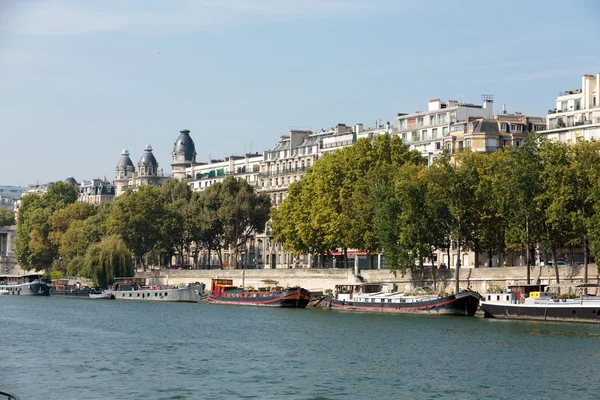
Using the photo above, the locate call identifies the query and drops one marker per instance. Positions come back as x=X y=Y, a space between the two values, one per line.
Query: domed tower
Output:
x=71 y=181
x=123 y=173
x=147 y=168
x=183 y=155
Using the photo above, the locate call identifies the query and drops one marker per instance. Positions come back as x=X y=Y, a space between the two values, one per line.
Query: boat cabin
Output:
x=18 y=279
x=128 y=284
x=516 y=293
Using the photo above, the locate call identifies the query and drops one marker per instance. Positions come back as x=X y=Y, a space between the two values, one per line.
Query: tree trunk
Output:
x=490 y=257
x=345 y=258
x=555 y=266
x=477 y=251
x=585 y=258
x=457 y=262
x=433 y=268
x=220 y=256
x=528 y=265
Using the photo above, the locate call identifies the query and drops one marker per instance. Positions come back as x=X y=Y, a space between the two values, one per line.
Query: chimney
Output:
x=387 y=125
x=503 y=109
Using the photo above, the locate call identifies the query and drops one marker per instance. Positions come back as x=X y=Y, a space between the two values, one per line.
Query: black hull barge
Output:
x=370 y=297
x=551 y=305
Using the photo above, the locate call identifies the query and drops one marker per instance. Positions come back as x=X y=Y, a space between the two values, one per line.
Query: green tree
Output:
x=554 y=199
x=7 y=218
x=137 y=217
x=242 y=212
x=106 y=260
x=33 y=247
x=176 y=238
x=453 y=183
x=209 y=230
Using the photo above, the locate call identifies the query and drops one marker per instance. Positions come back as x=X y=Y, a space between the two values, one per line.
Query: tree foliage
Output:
x=7 y=218
x=106 y=260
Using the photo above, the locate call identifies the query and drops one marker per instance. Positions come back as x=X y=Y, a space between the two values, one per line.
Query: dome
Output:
x=125 y=161
x=148 y=159
x=71 y=181
x=185 y=145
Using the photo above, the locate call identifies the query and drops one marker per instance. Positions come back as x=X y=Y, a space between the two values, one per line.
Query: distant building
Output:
x=8 y=261
x=489 y=135
x=425 y=131
x=9 y=195
x=96 y=191
x=183 y=156
x=148 y=173
x=577 y=112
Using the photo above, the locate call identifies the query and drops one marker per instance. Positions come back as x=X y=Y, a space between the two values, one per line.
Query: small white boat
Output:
x=102 y=295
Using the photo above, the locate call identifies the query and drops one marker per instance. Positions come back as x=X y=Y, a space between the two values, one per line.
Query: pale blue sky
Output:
x=82 y=80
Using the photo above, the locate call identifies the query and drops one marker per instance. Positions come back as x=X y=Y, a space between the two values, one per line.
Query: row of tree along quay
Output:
x=376 y=196
x=57 y=234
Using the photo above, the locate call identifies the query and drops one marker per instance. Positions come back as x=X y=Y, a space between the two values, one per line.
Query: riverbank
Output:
x=320 y=280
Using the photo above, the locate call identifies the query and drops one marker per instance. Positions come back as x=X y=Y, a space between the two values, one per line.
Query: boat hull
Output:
x=462 y=304
x=102 y=296
x=567 y=312
x=292 y=298
x=190 y=294
x=36 y=288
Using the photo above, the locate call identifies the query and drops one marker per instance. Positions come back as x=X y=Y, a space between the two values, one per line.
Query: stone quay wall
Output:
x=319 y=280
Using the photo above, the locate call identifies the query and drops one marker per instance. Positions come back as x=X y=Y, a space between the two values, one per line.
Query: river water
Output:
x=58 y=348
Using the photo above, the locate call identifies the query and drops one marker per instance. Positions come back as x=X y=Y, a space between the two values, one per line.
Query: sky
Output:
x=82 y=80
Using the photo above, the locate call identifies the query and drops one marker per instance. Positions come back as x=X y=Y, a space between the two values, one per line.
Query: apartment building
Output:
x=147 y=173
x=577 y=112
x=425 y=131
x=202 y=175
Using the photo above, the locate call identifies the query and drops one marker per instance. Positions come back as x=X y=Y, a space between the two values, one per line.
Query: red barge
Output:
x=223 y=292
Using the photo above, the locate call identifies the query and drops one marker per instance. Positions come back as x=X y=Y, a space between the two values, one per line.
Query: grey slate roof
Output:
x=125 y=161
x=185 y=145
x=148 y=158
x=486 y=125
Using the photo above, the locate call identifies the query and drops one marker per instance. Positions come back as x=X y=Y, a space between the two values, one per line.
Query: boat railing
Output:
x=8 y=396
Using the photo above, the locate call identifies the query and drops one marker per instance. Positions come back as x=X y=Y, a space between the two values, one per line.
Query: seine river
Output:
x=57 y=348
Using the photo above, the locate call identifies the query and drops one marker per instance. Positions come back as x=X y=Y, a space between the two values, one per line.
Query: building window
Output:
x=503 y=127
x=468 y=144
x=432 y=120
x=594 y=102
x=424 y=134
x=438 y=145
x=563 y=106
x=308 y=164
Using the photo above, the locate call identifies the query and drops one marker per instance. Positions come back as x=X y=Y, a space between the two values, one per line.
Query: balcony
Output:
x=569 y=92
x=283 y=172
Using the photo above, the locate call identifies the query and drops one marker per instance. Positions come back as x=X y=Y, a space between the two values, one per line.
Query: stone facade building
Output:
x=148 y=173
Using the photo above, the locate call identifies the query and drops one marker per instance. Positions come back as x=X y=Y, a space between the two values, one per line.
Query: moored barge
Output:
x=223 y=292
x=26 y=285
x=372 y=297
x=521 y=302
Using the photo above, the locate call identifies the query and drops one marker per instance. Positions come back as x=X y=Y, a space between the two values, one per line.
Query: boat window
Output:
x=138 y=295
x=166 y=294
x=155 y=294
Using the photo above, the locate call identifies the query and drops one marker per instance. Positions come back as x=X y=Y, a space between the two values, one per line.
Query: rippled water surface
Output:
x=56 y=348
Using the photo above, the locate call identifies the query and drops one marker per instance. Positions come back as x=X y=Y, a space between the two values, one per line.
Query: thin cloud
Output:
x=61 y=18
